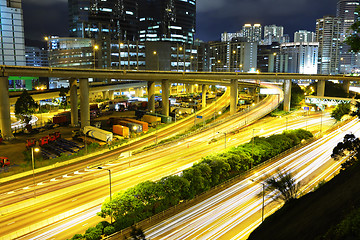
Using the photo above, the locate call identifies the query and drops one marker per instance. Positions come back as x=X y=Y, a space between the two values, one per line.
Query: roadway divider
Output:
x=146 y=223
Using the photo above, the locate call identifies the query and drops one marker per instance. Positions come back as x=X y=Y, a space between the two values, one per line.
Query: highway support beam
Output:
x=346 y=86
x=138 y=92
x=165 y=91
x=84 y=102
x=203 y=100
x=233 y=96
x=321 y=88
x=5 y=120
x=151 y=96
x=111 y=94
x=287 y=94
x=74 y=103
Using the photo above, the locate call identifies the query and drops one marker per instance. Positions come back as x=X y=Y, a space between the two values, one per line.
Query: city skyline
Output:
x=213 y=17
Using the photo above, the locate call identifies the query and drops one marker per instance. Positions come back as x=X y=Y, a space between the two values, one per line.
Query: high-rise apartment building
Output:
x=252 y=32
x=167 y=20
x=12 y=44
x=328 y=31
x=304 y=36
x=235 y=56
x=273 y=33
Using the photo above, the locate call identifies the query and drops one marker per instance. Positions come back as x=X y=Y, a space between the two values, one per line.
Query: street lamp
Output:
x=109 y=185
x=156 y=54
x=191 y=58
x=33 y=166
x=95 y=48
x=225 y=138
x=263 y=198
x=286 y=123
x=252 y=148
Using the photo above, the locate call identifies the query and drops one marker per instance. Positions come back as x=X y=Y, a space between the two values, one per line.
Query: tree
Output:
x=62 y=95
x=340 y=110
x=284 y=185
x=25 y=106
x=297 y=94
x=356 y=112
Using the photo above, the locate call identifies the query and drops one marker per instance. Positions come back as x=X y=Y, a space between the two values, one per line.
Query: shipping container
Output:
x=121 y=130
x=98 y=133
x=145 y=125
x=133 y=127
x=153 y=120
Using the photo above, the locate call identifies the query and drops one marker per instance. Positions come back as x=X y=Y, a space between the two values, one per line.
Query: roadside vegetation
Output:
x=151 y=197
x=330 y=212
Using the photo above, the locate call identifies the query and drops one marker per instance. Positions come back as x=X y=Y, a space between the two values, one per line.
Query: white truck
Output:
x=98 y=133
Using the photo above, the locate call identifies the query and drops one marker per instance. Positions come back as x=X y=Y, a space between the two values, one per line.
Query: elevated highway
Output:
x=232 y=79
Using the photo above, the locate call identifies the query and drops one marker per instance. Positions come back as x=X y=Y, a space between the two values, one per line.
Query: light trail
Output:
x=231 y=213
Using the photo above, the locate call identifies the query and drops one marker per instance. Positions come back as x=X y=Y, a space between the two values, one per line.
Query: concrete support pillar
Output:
x=137 y=92
x=321 y=88
x=204 y=90
x=5 y=121
x=151 y=96
x=287 y=95
x=104 y=94
x=165 y=89
x=111 y=94
x=74 y=103
x=84 y=102
x=233 y=96
x=346 y=86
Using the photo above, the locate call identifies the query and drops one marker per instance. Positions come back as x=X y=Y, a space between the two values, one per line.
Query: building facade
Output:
x=299 y=57
x=304 y=36
x=36 y=57
x=12 y=45
x=268 y=57
x=167 y=20
x=233 y=56
x=328 y=33
x=346 y=12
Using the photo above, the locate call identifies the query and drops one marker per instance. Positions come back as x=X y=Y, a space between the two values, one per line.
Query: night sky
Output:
x=50 y=17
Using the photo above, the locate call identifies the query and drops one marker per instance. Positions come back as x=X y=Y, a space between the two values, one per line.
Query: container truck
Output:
x=98 y=133
x=133 y=127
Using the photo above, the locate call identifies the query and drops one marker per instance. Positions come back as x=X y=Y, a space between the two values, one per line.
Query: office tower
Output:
x=227 y=37
x=304 y=36
x=36 y=57
x=12 y=45
x=299 y=57
x=346 y=12
x=328 y=31
x=234 y=56
x=268 y=57
x=167 y=20
x=252 y=32
x=115 y=19
x=273 y=33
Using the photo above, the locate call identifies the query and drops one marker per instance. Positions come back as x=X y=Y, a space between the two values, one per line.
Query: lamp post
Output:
x=286 y=123
x=156 y=54
x=191 y=58
x=263 y=199
x=225 y=139
x=109 y=186
x=219 y=61
x=95 y=48
x=321 y=122
x=33 y=166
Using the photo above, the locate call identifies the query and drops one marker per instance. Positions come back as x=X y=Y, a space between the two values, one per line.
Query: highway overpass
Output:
x=231 y=79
